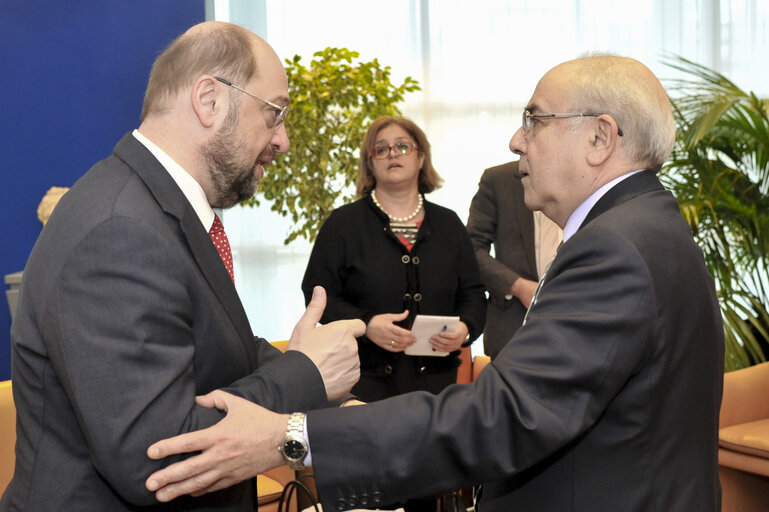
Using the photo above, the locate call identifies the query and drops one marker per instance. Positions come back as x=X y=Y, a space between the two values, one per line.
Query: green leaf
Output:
x=719 y=171
x=333 y=102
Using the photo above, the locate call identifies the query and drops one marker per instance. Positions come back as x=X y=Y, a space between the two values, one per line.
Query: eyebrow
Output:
x=280 y=99
x=397 y=139
x=532 y=108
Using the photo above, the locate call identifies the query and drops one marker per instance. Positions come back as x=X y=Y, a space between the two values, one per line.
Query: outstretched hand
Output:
x=332 y=347
x=242 y=445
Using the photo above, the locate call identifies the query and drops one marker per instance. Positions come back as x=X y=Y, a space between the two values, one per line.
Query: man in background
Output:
x=128 y=307
x=606 y=399
x=524 y=244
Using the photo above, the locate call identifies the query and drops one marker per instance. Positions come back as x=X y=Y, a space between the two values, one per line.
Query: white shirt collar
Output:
x=578 y=216
x=188 y=185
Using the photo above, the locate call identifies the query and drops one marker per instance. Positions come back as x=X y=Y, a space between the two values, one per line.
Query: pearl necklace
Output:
x=399 y=219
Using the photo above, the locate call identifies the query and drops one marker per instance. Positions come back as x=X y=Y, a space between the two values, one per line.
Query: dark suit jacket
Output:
x=607 y=399
x=126 y=313
x=499 y=217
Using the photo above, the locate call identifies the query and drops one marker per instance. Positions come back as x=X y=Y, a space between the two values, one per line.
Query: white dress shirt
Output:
x=189 y=185
x=578 y=216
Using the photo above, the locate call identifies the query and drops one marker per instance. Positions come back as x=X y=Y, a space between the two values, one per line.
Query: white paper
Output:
x=426 y=326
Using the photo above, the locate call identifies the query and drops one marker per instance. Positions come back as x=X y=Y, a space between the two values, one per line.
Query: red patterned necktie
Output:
x=222 y=244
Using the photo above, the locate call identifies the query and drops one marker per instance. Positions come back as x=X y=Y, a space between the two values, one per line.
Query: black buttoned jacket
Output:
x=367 y=271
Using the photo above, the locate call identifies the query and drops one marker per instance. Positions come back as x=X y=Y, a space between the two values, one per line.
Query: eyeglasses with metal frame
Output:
x=382 y=151
x=280 y=112
x=528 y=116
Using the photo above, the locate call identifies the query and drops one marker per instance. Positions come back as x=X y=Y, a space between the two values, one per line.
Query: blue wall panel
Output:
x=73 y=78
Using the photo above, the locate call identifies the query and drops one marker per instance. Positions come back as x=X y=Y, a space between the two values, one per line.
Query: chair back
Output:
x=7 y=434
x=280 y=344
x=479 y=363
x=465 y=370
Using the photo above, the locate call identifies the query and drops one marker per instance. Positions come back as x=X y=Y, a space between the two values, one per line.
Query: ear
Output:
x=603 y=140
x=209 y=101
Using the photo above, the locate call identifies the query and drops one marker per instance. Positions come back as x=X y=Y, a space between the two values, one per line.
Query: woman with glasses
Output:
x=392 y=255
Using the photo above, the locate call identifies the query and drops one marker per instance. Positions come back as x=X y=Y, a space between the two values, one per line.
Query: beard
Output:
x=233 y=179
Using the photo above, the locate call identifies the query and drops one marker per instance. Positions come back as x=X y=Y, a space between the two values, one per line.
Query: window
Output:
x=478 y=67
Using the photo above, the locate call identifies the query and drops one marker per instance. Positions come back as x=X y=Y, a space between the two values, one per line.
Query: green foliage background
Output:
x=719 y=171
x=333 y=102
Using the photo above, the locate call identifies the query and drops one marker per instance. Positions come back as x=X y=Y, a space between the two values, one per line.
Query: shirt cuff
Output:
x=308 y=458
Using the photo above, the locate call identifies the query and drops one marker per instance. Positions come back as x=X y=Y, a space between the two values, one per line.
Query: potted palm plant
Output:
x=719 y=171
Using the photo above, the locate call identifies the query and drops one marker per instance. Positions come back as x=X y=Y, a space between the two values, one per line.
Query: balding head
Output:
x=212 y=104
x=631 y=94
x=213 y=47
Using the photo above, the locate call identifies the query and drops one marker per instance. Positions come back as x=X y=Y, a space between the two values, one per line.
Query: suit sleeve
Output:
x=118 y=324
x=482 y=227
x=283 y=383
x=589 y=331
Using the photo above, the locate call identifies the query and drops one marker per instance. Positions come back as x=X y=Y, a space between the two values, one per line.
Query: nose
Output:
x=518 y=142
x=279 y=140
x=393 y=153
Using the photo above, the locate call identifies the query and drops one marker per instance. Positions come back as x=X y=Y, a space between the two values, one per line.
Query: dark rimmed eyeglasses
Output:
x=382 y=151
x=528 y=116
x=279 y=112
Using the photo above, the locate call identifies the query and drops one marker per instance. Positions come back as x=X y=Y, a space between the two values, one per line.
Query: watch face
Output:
x=294 y=449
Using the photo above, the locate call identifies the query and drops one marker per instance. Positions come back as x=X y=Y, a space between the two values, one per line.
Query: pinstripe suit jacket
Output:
x=126 y=313
x=606 y=400
x=499 y=218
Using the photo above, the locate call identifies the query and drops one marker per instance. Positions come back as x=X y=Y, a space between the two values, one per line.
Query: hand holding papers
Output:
x=426 y=326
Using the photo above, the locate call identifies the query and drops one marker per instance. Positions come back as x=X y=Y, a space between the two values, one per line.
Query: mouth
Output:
x=259 y=168
x=393 y=165
x=261 y=163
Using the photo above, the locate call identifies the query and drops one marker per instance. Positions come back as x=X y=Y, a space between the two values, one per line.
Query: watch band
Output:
x=294 y=448
x=295 y=424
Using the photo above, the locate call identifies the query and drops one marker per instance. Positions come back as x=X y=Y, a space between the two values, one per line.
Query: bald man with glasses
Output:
x=605 y=400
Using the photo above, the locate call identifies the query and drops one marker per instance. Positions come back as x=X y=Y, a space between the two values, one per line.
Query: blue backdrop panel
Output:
x=74 y=75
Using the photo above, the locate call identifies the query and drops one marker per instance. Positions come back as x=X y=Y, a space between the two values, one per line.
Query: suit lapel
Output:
x=172 y=201
x=640 y=183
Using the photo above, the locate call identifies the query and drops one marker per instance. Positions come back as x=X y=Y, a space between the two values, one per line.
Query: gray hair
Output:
x=632 y=95
x=209 y=48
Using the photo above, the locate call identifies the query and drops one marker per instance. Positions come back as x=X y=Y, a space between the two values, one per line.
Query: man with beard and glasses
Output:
x=128 y=308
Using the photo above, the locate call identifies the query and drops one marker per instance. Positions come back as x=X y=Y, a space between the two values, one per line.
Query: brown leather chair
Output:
x=465 y=370
x=479 y=363
x=743 y=440
x=7 y=434
x=269 y=487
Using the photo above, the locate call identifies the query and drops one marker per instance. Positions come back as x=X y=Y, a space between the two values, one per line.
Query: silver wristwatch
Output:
x=294 y=447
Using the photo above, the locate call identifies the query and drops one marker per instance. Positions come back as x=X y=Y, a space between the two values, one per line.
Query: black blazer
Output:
x=606 y=400
x=499 y=217
x=366 y=271
x=125 y=314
